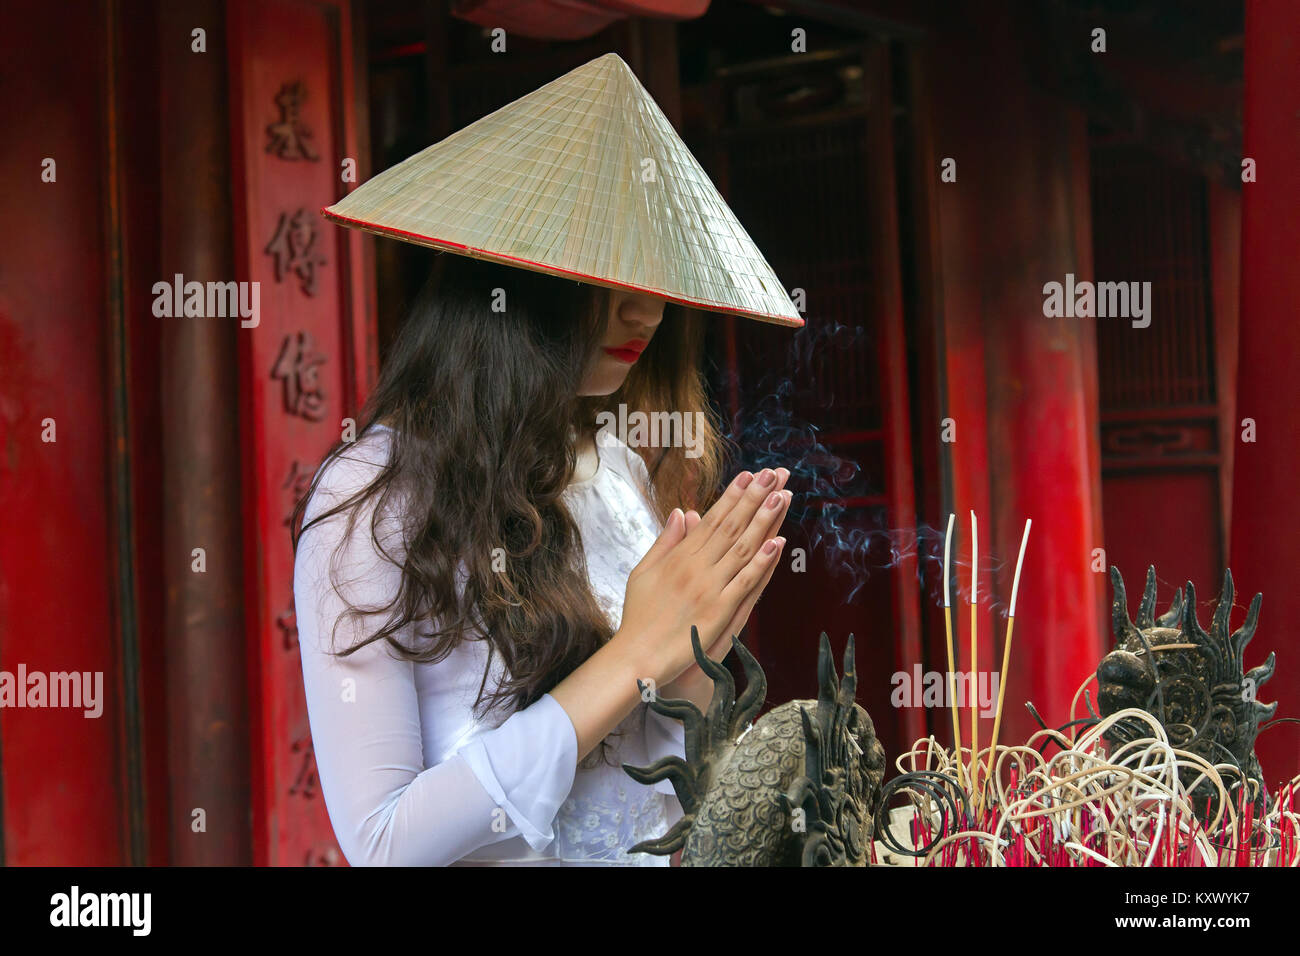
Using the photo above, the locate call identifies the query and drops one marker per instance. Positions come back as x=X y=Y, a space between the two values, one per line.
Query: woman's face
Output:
x=631 y=325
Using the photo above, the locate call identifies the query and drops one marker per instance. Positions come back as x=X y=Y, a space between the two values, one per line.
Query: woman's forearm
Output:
x=600 y=693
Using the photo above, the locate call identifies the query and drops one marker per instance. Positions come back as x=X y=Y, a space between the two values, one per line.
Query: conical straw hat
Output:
x=583 y=178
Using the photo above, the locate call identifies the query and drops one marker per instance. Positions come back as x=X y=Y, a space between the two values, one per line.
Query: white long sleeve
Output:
x=388 y=804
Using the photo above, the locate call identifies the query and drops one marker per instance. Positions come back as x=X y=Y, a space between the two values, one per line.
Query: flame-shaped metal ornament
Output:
x=1194 y=682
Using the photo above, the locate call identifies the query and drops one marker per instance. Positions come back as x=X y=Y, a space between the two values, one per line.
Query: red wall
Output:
x=62 y=793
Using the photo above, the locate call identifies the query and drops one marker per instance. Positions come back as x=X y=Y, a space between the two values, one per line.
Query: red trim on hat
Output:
x=507 y=259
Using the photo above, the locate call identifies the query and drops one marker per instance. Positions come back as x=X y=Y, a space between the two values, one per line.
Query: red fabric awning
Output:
x=569 y=19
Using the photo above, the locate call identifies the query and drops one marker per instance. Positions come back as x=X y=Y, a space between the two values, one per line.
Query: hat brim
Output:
x=505 y=259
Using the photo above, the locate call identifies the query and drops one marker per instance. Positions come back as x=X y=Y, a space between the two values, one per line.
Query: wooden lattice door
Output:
x=803 y=150
x=1162 y=452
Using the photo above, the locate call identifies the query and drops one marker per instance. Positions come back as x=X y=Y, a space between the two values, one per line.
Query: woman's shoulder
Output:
x=350 y=469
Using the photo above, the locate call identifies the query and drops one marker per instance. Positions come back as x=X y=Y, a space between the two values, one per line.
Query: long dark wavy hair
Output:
x=485 y=421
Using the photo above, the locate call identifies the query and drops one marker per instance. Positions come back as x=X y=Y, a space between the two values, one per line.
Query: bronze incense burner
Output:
x=799 y=787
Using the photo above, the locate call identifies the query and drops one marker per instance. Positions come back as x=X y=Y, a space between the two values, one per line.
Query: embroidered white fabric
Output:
x=409 y=775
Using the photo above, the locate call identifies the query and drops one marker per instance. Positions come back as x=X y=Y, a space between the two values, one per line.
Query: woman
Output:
x=482 y=578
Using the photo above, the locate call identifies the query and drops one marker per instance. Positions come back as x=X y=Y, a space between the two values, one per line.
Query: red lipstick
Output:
x=628 y=352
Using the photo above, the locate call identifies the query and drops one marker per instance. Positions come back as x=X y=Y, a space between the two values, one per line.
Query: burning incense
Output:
x=974 y=648
x=1006 y=653
x=1093 y=803
x=947 y=629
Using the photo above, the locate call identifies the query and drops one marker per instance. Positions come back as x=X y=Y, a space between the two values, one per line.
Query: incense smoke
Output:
x=848 y=543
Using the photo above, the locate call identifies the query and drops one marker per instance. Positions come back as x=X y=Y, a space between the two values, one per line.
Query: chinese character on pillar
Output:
x=292 y=249
x=297 y=483
x=287 y=622
x=289 y=136
x=304 y=785
x=296 y=369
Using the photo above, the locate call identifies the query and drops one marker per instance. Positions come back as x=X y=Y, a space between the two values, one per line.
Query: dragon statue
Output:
x=799 y=787
x=1194 y=683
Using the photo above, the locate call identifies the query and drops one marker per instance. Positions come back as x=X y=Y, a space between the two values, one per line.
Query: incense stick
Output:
x=947 y=630
x=1006 y=656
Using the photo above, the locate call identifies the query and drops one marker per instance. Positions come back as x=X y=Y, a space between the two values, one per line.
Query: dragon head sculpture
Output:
x=1194 y=682
x=799 y=787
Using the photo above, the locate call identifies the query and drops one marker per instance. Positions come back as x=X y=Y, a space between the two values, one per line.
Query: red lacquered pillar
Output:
x=1264 y=554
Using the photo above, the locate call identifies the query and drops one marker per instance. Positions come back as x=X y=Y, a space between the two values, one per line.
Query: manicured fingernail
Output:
x=774 y=499
x=766 y=476
x=770 y=547
x=744 y=478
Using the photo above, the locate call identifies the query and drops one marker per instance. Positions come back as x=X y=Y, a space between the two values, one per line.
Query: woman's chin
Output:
x=605 y=381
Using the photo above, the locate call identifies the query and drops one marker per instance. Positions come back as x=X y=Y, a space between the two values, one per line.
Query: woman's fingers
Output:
x=722 y=646
x=672 y=534
x=692 y=519
x=727 y=532
x=734 y=493
x=753 y=575
x=741 y=618
x=765 y=524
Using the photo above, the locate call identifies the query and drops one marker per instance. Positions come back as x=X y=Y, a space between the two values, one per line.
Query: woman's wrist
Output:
x=602 y=691
x=630 y=651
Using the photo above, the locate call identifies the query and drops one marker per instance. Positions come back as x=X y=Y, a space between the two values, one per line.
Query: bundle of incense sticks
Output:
x=970 y=777
x=1090 y=804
